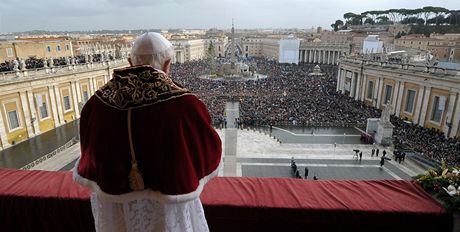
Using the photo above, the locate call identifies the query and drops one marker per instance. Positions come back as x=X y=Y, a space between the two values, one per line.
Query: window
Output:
x=66 y=103
x=42 y=105
x=437 y=108
x=67 y=47
x=58 y=48
x=410 y=101
x=9 y=52
x=13 y=119
x=370 y=90
x=388 y=94
x=48 y=48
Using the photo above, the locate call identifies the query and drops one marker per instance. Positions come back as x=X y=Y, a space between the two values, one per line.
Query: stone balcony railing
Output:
x=404 y=67
x=51 y=201
x=32 y=74
x=336 y=45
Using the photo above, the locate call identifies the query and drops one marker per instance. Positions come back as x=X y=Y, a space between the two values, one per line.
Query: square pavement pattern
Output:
x=323 y=169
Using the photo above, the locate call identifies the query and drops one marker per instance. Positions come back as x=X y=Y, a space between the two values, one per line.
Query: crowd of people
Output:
x=288 y=96
x=430 y=142
x=36 y=63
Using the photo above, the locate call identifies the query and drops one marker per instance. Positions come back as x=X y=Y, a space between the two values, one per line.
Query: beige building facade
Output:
x=23 y=49
x=309 y=52
x=445 y=47
x=252 y=47
x=427 y=96
x=219 y=45
x=33 y=102
x=188 y=50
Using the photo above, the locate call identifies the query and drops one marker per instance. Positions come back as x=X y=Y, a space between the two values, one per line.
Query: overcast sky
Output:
x=69 y=15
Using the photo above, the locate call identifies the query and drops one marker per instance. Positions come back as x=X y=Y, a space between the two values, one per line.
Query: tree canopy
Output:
x=428 y=15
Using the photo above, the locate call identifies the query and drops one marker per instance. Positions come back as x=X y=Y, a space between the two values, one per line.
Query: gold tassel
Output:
x=135 y=178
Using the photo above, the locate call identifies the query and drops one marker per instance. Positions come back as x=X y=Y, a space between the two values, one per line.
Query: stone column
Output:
x=3 y=137
x=106 y=78
x=364 y=87
x=338 y=80
x=53 y=107
x=418 y=105
x=30 y=98
x=94 y=85
x=310 y=56
x=320 y=56
x=358 y=86
x=329 y=57
x=343 y=78
x=26 y=114
x=353 y=85
x=333 y=57
x=449 y=114
x=59 y=106
x=75 y=95
x=378 y=92
x=424 y=109
x=91 y=86
x=394 y=96
x=455 y=119
x=399 y=100
x=314 y=56
x=79 y=94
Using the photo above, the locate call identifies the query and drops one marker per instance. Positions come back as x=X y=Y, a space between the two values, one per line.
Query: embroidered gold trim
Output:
x=137 y=87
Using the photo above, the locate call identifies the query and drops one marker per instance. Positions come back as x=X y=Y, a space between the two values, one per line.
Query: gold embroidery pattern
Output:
x=138 y=86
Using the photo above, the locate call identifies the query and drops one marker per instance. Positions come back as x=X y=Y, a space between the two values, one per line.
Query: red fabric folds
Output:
x=50 y=201
x=43 y=201
x=275 y=204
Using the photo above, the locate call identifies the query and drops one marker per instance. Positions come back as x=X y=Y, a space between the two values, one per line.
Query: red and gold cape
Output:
x=176 y=147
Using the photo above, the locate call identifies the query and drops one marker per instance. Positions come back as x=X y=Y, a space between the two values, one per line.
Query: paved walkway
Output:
x=231 y=138
x=59 y=162
x=318 y=136
x=232 y=112
x=26 y=152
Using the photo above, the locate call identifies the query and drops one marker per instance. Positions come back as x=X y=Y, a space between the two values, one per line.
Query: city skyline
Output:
x=86 y=15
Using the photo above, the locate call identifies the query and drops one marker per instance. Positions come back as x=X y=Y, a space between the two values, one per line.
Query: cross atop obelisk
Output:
x=233 y=56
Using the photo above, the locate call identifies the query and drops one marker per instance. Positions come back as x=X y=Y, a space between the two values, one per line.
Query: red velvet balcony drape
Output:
x=50 y=201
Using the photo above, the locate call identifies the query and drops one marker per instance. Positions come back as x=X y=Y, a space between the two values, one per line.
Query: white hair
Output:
x=151 y=49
